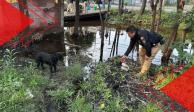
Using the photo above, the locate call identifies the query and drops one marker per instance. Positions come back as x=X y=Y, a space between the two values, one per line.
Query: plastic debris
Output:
x=125 y=67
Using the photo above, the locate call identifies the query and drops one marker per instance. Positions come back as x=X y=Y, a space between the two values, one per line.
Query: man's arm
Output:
x=148 y=48
x=131 y=46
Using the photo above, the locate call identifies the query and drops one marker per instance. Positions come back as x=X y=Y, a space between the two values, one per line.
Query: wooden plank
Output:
x=81 y=14
x=87 y=16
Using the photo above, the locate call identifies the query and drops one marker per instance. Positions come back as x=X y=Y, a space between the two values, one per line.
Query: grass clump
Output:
x=74 y=71
x=19 y=88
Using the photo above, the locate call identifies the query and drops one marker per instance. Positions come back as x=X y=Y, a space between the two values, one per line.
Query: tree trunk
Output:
x=113 y=45
x=76 y=30
x=167 y=51
x=102 y=43
x=109 y=38
x=154 y=8
x=159 y=16
x=24 y=10
x=117 y=45
x=22 y=5
x=180 y=5
x=104 y=4
x=187 y=29
x=153 y=20
x=109 y=5
x=102 y=34
x=120 y=6
x=184 y=36
x=61 y=7
x=143 y=7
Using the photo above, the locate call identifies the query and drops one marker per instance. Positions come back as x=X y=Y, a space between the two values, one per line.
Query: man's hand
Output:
x=123 y=58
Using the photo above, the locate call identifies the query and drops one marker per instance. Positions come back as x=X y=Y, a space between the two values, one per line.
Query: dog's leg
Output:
x=51 y=69
x=38 y=64
x=42 y=65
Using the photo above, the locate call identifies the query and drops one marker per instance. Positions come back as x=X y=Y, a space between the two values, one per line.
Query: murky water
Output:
x=93 y=51
x=123 y=44
x=91 y=45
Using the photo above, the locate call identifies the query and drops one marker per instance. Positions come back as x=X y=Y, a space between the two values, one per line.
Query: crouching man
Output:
x=150 y=44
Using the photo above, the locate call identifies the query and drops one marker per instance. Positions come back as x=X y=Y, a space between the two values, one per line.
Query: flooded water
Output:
x=123 y=44
x=94 y=50
x=90 y=45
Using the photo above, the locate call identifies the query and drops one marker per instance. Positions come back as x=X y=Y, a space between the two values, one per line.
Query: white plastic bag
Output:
x=125 y=67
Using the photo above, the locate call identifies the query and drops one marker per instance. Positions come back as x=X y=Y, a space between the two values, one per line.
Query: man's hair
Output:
x=131 y=29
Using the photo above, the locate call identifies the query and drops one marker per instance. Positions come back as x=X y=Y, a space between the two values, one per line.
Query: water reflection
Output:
x=116 y=43
x=89 y=45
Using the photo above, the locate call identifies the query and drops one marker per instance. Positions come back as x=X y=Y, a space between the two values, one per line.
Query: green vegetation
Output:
x=184 y=61
x=19 y=88
x=150 y=107
x=143 y=21
x=22 y=89
x=74 y=70
x=92 y=94
x=167 y=19
x=79 y=104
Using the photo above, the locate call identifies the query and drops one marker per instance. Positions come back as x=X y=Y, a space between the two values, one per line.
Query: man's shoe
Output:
x=141 y=77
x=138 y=75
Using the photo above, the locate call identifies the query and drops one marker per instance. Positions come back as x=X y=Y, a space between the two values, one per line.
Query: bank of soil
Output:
x=134 y=91
x=138 y=92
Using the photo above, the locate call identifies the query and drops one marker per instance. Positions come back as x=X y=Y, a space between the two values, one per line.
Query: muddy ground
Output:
x=135 y=91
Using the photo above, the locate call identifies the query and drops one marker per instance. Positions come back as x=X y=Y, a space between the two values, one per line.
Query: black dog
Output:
x=49 y=59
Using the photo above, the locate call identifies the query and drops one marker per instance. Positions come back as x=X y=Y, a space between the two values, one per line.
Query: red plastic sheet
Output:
x=182 y=89
x=12 y=21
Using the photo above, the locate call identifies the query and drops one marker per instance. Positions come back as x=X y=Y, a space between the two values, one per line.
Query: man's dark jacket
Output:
x=151 y=39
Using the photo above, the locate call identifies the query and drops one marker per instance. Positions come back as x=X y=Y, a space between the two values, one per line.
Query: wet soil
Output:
x=137 y=91
x=56 y=80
